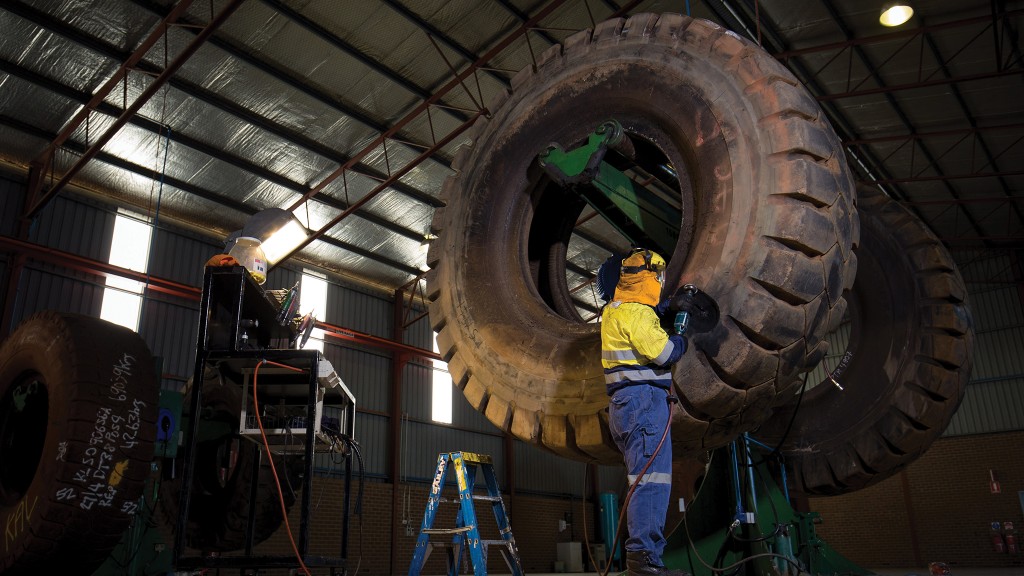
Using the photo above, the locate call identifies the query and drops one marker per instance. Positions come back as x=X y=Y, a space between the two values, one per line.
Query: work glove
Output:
x=682 y=302
x=663 y=309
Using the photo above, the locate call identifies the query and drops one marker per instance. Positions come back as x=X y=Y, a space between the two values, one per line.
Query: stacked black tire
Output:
x=222 y=485
x=905 y=368
x=769 y=227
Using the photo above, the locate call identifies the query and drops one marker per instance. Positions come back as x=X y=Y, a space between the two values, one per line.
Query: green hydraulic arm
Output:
x=642 y=216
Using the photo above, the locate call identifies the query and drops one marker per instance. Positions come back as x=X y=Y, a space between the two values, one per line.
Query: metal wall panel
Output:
x=561 y=475
x=421 y=444
x=359 y=311
x=75 y=226
x=419 y=333
x=283 y=278
x=372 y=436
x=50 y=289
x=12 y=197
x=464 y=414
x=417 y=390
x=180 y=257
x=612 y=479
x=999 y=325
x=990 y=406
x=366 y=374
x=171 y=331
x=417 y=400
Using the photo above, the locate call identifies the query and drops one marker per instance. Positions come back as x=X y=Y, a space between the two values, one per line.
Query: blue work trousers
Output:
x=637 y=418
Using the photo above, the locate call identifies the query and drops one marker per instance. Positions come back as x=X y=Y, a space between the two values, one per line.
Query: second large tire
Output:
x=768 y=228
x=222 y=478
x=904 y=370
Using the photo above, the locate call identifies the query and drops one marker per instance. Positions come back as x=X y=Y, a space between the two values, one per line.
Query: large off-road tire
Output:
x=78 y=405
x=767 y=229
x=222 y=479
x=904 y=371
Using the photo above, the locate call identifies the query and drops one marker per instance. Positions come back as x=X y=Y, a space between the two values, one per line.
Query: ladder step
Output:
x=475 y=458
x=481 y=497
x=461 y=530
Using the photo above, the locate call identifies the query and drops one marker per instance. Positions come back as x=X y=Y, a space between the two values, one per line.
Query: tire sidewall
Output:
x=102 y=394
x=493 y=212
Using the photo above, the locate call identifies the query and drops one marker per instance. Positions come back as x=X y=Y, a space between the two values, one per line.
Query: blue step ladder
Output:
x=466 y=534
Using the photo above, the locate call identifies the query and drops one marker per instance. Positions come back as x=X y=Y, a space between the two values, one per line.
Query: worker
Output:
x=637 y=355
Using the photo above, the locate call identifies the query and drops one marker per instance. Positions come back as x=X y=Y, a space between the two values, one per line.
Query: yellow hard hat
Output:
x=641 y=259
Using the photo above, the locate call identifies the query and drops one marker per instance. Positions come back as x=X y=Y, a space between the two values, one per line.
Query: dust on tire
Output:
x=755 y=156
x=78 y=406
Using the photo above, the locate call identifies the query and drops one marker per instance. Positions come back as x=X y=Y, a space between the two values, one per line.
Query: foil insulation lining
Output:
x=215 y=96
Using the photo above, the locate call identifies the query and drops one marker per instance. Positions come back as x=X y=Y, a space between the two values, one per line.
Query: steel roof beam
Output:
x=383 y=185
x=948 y=177
x=341 y=44
x=970 y=118
x=131 y=110
x=889 y=89
x=189 y=142
x=897 y=108
x=426 y=104
x=417 y=21
x=933 y=134
x=121 y=74
x=298 y=84
x=203 y=193
x=880 y=38
x=77 y=36
x=985 y=200
x=735 y=21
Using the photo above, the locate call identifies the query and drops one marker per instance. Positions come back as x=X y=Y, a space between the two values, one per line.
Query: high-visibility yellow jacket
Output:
x=635 y=349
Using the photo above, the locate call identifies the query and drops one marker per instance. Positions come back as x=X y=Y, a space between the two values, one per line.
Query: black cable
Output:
x=354 y=447
x=789 y=427
x=773 y=534
x=742 y=561
x=771 y=503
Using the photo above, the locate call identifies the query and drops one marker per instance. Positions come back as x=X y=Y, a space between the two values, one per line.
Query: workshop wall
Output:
x=534 y=521
x=939 y=509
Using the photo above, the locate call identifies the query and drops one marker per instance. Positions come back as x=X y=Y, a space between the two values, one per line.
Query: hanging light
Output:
x=278 y=230
x=895 y=13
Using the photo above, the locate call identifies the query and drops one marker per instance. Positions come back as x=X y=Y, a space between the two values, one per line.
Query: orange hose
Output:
x=266 y=444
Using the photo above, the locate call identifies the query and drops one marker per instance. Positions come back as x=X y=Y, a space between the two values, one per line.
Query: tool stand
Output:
x=238 y=331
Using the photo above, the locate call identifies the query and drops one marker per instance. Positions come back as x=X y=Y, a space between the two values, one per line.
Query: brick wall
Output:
x=534 y=522
x=942 y=499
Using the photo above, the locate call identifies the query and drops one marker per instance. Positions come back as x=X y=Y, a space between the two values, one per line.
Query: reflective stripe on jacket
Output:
x=634 y=348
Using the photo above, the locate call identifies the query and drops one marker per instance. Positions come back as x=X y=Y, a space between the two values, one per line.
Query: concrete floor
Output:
x=888 y=571
x=953 y=571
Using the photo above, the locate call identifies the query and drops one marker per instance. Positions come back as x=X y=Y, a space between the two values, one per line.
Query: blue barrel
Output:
x=609 y=523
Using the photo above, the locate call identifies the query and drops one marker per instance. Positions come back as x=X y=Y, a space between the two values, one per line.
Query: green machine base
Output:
x=741 y=522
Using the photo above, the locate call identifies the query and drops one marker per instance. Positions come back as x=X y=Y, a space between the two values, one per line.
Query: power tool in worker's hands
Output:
x=695 y=310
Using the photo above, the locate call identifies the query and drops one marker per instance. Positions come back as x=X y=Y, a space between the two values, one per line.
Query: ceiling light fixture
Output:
x=278 y=230
x=895 y=13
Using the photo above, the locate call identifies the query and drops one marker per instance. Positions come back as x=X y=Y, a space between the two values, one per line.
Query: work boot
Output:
x=644 y=563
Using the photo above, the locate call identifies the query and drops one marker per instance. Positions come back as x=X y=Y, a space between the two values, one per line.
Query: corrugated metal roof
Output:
x=287 y=90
